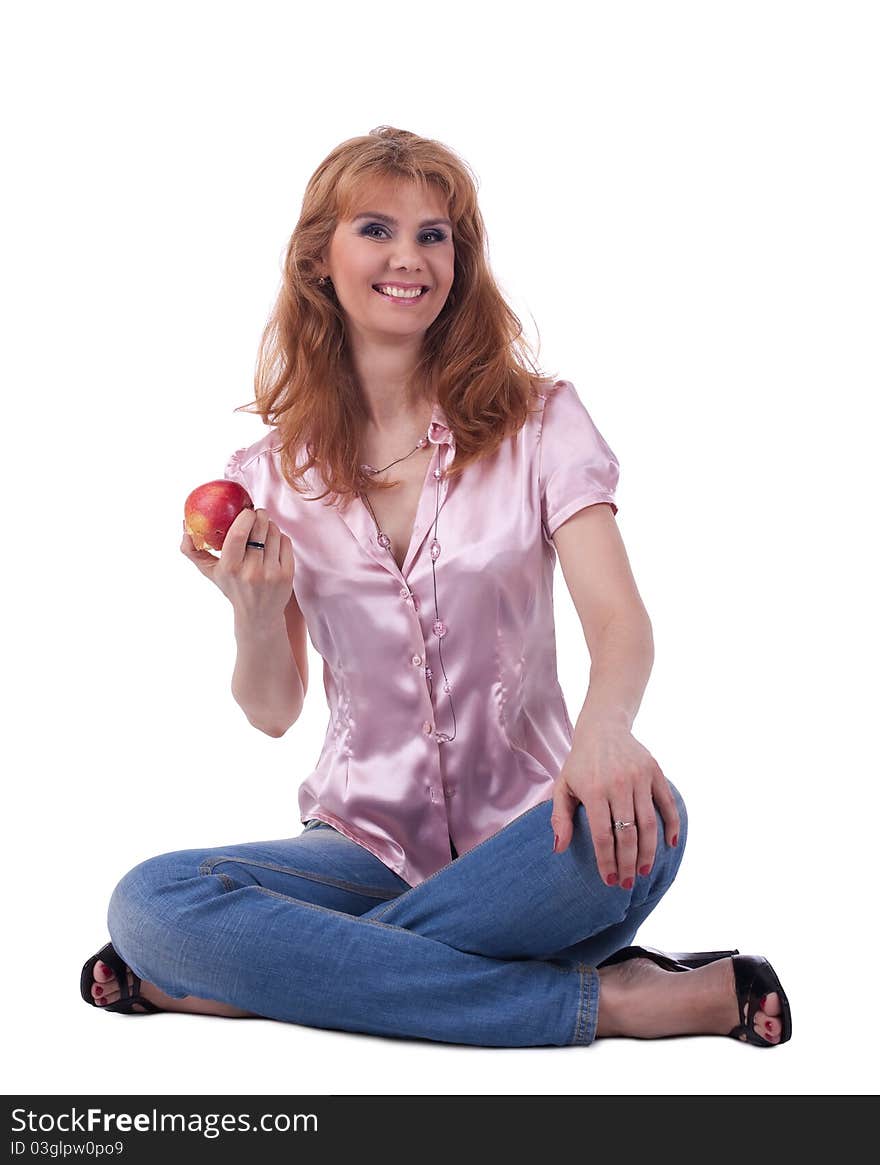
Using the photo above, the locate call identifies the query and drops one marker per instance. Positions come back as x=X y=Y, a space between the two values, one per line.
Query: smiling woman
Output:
x=343 y=365
x=427 y=900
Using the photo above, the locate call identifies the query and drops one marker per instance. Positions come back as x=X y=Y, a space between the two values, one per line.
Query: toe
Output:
x=102 y=972
x=768 y=1022
x=771 y=1004
x=768 y=1027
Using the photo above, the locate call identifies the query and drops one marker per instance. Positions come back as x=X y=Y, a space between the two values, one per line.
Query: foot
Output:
x=106 y=989
x=639 y=999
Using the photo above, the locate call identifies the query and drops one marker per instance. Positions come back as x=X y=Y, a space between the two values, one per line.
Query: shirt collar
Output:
x=439 y=432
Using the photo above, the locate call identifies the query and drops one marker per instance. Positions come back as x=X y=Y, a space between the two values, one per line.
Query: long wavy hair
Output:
x=474 y=359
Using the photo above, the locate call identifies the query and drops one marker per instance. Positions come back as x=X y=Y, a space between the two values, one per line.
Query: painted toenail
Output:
x=627 y=883
x=99 y=990
x=643 y=870
x=611 y=879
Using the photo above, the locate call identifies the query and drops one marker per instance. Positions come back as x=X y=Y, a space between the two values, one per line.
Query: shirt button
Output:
x=417 y=660
x=427 y=728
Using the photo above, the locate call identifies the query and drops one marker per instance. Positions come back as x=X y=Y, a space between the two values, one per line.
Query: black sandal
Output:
x=753 y=976
x=129 y=996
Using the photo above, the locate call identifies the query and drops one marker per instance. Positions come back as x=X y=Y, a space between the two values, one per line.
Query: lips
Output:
x=404 y=300
x=423 y=287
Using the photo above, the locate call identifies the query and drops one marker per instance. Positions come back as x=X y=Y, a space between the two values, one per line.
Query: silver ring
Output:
x=622 y=824
x=256 y=545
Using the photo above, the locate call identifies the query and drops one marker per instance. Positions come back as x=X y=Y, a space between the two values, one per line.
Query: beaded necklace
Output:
x=440 y=628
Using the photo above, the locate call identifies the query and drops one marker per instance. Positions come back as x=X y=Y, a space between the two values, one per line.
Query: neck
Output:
x=393 y=403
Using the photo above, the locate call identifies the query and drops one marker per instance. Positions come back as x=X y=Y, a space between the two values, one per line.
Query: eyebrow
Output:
x=393 y=221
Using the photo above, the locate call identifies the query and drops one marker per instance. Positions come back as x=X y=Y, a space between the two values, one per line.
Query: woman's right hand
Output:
x=258 y=583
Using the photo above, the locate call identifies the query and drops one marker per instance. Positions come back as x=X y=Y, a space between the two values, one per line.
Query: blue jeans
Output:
x=497 y=949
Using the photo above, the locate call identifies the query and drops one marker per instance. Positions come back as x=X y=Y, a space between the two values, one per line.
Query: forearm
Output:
x=620 y=667
x=266 y=683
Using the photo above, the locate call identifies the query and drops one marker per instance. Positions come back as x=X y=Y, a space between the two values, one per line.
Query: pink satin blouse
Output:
x=382 y=778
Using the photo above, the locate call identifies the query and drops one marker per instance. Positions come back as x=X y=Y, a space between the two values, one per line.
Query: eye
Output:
x=375 y=226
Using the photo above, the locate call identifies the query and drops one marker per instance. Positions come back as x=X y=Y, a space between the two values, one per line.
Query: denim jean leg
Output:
x=195 y=927
x=511 y=897
x=599 y=946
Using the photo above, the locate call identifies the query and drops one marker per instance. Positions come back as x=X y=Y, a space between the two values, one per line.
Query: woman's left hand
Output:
x=616 y=779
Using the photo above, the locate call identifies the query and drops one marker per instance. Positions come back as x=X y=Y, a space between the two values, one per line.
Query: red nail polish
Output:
x=627 y=883
x=99 y=990
x=611 y=879
x=644 y=870
x=675 y=840
x=555 y=844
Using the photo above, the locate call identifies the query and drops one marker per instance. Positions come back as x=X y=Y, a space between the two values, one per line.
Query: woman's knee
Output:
x=682 y=816
x=143 y=905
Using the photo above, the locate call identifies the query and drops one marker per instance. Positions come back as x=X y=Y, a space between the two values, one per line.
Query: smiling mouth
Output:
x=405 y=298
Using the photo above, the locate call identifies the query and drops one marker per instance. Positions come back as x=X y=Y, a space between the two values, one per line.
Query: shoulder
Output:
x=558 y=397
x=248 y=456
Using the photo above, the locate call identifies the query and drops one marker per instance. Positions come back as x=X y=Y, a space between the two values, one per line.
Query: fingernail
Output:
x=644 y=870
x=555 y=843
x=611 y=879
x=675 y=840
x=627 y=883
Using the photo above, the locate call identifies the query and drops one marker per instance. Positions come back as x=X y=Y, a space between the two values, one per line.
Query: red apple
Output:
x=211 y=509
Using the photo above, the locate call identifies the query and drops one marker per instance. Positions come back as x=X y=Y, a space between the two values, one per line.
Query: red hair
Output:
x=474 y=361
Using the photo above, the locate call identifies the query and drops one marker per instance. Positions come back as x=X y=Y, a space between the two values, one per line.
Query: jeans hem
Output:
x=588 y=1005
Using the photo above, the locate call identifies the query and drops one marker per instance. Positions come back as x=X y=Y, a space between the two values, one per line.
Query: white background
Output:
x=681 y=199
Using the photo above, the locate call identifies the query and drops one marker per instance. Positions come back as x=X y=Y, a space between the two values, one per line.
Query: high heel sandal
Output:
x=753 y=976
x=129 y=995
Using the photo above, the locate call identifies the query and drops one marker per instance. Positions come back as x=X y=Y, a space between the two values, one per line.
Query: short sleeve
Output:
x=234 y=470
x=577 y=468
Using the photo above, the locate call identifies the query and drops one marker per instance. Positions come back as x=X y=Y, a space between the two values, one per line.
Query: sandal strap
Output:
x=128 y=995
x=127 y=1005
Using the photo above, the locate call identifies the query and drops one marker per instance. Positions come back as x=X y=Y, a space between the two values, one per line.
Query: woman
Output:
x=472 y=867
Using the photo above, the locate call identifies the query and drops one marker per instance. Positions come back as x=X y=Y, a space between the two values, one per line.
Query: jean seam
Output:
x=207 y=867
x=390 y=926
x=593 y=983
x=582 y=1005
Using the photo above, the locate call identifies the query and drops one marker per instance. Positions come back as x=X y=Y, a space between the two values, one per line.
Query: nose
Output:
x=404 y=257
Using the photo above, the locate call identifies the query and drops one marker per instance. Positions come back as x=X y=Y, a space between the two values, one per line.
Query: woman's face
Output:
x=369 y=249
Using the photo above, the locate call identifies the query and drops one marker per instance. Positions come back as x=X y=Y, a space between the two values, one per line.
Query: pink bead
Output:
x=447 y=687
x=423 y=441
x=440 y=628
x=435 y=549
x=438 y=473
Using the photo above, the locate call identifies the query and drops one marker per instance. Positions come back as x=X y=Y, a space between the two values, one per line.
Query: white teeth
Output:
x=399 y=293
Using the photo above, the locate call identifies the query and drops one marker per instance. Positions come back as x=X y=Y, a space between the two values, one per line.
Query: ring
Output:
x=622 y=824
x=257 y=545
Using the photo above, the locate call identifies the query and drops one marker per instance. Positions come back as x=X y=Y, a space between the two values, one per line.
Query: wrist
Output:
x=258 y=628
